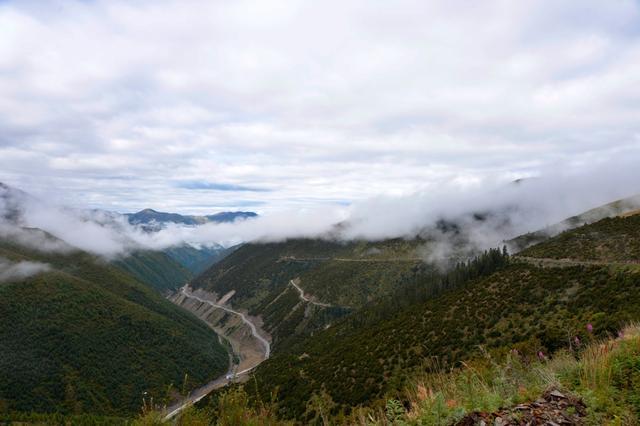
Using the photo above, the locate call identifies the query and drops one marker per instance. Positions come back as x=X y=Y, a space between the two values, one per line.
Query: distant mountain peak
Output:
x=153 y=220
x=147 y=211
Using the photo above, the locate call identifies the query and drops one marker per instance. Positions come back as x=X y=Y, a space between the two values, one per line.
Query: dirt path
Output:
x=546 y=262
x=307 y=299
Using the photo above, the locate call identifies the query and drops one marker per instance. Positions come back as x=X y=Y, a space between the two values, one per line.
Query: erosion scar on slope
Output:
x=252 y=326
x=225 y=379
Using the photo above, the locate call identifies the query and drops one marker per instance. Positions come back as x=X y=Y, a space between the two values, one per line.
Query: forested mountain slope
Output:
x=83 y=336
x=168 y=269
x=521 y=305
x=155 y=268
x=335 y=277
x=616 y=208
x=614 y=239
x=198 y=259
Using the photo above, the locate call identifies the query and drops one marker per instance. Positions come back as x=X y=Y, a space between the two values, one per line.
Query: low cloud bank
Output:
x=480 y=215
x=12 y=271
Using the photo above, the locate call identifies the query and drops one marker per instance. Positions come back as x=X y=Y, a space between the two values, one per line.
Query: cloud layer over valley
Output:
x=340 y=119
x=486 y=213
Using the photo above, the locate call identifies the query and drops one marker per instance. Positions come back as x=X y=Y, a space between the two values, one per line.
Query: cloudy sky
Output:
x=201 y=106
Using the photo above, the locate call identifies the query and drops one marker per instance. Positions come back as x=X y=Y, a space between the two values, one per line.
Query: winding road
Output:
x=226 y=378
x=305 y=298
x=252 y=326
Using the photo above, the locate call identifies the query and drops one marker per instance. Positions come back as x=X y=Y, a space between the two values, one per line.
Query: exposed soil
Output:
x=554 y=408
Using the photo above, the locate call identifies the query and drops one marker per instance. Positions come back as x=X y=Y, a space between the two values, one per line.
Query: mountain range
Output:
x=332 y=331
x=152 y=220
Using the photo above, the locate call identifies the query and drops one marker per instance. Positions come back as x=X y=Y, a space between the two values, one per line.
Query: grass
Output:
x=605 y=374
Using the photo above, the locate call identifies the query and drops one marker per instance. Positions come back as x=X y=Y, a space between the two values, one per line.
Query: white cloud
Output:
x=12 y=271
x=111 y=103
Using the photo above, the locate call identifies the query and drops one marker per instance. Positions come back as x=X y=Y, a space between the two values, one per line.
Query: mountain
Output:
x=613 y=209
x=611 y=240
x=12 y=201
x=336 y=277
x=342 y=277
x=536 y=302
x=152 y=220
x=79 y=335
x=158 y=269
x=163 y=270
x=200 y=258
x=351 y=324
x=168 y=269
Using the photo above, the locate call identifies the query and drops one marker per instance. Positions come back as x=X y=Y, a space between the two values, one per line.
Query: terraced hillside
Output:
x=82 y=336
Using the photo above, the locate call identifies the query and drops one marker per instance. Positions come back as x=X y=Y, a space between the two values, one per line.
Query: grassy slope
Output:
x=604 y=374
x=87 y=337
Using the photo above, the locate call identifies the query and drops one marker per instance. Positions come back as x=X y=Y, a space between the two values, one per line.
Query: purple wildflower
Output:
x=541 y=356
x=576 y=340
x=590 y=328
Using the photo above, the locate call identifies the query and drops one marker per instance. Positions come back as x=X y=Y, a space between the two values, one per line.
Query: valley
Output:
x=348 y=324
x=243 y=358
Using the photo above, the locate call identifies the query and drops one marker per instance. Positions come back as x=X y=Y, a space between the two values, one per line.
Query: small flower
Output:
x=590 y=328
x=541 y=356
x=576 y=340
x=620 y=334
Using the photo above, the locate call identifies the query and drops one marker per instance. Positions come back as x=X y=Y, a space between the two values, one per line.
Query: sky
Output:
x=271 y=106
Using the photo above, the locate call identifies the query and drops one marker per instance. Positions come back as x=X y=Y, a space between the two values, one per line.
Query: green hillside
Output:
x=613 y=209
x=345 y=276
x=84 y=337
x=614 y=239
x=170 y=268
x=594 y=382
x=155 y=268
x=535 y=309
x=197 y=260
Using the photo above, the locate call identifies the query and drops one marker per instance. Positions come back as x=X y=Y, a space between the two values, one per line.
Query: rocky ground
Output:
x=554 y=408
